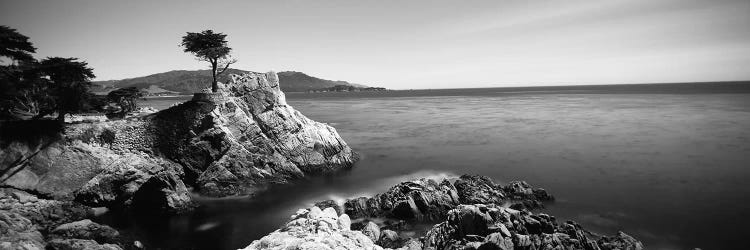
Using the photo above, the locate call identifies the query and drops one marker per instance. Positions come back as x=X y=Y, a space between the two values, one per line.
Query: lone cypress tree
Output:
x=212 y=48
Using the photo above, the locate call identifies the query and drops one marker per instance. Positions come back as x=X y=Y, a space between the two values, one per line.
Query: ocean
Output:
x=667 y=165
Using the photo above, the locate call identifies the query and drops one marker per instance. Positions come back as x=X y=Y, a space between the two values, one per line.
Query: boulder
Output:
x=423 y=199
x=372 y=231
x=389 y=239
x=44 y=214
x=330 y=203
x=18 y=232
x=311 y=229
x=86 y=229
x=412 y=244
x=620 y=241
x=475 y=189
x=23 y=197
x=497 y=241
x=138 y=180
x=344 y=222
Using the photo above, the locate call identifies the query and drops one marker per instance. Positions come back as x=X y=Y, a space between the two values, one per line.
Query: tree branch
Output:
x=226 y=67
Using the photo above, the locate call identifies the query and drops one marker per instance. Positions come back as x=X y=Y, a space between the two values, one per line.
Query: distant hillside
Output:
x=190 y=81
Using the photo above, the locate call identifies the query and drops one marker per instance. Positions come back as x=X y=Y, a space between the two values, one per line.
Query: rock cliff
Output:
x=237 y=141
x=471 y=212
x=234 y=142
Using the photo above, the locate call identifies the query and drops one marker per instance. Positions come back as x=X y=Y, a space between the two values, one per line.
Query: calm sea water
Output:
x=669 y=169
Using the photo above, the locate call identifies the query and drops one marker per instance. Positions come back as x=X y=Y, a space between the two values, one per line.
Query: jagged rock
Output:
x=474 y=189
x=137 y=180
x=468 y=221
x=330 y=203
x=423 y=199
x=428 y=200
x=312 y=229
x=463 y=226
x=23 y=197
x=246 y=137
x=372 y=231
x=521 y=190
x=412 y=244
x=389 y=239
x=44 y=214
x=621 y=241
x=86 y=229
x=18 y=232
x=80 y=244
x=497 y=241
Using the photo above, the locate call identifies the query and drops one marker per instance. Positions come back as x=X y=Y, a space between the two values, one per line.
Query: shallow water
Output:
x=669 y=169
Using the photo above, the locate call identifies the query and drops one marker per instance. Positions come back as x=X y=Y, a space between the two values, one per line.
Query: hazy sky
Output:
x=407 y=44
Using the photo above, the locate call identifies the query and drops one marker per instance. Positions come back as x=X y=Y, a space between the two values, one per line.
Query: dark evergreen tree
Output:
x=212 y=48
x=126 y=98
x=69 y=82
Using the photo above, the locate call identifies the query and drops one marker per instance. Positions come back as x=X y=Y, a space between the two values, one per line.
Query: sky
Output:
x=407 y=44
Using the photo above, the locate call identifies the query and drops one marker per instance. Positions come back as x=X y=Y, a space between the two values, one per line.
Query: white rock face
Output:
x=315 y=229
x=345 y=223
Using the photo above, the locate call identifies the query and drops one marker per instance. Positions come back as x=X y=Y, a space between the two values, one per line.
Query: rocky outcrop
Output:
x=18 y=232
x=246 y=137
x=29 y=222
x=87 y=230
x=471 y=212
x=237 y=141
x=234 y=142
x=315 y=229
x=494 y=227
x=427 y=199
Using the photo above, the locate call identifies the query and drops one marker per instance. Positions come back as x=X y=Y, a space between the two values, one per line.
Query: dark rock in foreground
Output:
x=427 y=199
x=38 y=223
x=470 y=213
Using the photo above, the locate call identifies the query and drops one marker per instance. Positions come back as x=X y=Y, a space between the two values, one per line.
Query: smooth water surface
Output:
x=669 y=169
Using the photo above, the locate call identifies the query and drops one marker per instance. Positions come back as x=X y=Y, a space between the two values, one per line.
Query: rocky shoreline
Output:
x=237 y=141
x=240 y=141
x=471 y=212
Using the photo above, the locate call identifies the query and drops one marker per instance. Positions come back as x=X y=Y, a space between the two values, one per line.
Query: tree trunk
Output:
x=214 y=85
x=61 y=116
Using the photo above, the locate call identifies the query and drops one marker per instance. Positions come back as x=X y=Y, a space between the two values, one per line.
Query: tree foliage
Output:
x=15 y=46
x=125 y=98
x=69 y=80
x=210 y=47
x=22 y=93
